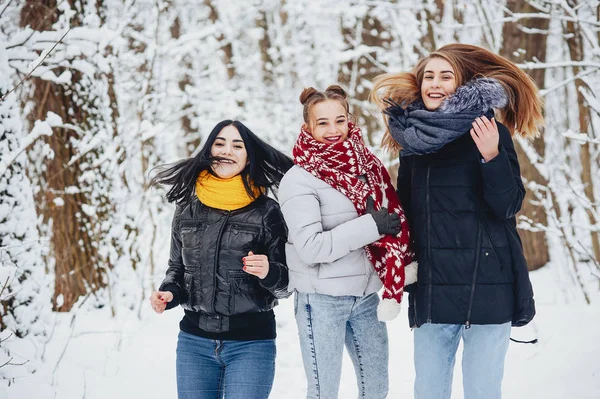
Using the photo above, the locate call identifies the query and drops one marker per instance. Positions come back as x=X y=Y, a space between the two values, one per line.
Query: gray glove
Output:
x=387 y=223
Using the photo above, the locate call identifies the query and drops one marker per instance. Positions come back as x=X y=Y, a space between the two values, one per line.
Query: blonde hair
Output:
x=469 y=62
x=311 y=96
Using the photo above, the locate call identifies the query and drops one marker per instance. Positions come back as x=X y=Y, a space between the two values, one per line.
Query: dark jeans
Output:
x=215 y=369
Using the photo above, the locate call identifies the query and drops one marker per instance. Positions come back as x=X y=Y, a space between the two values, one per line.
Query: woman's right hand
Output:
x=387 y=223
x=159 y=300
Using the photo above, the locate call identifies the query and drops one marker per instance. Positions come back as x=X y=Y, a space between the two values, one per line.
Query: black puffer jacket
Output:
x=205 y=267
x=462 y=214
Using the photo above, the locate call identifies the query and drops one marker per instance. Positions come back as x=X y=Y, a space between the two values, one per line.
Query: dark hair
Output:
x=266 y=166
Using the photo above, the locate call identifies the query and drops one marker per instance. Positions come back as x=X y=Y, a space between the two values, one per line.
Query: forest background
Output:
x=95 y=94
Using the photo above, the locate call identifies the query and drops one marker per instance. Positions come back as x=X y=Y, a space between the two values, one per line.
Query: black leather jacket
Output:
x=205 y=266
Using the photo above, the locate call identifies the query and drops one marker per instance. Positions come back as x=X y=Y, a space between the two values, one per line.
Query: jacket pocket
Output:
x=355 y=263
x=245 y=236
x=241 y=281
x=191 y=234
x=244 y=295
x=494 y=249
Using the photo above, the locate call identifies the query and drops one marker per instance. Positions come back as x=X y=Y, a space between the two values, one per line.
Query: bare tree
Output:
x=192 y=140
x=524 y=40
x=575 y=41
x=226 y=45
x=70 y=201
x=370 y=34
x=430 y=17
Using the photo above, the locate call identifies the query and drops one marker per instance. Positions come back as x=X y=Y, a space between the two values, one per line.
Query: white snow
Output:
x=130 y=357
x=139 y=82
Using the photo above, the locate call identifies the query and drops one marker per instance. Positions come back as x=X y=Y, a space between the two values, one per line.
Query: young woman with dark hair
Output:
x=227 y=264
x=347 y=237
x=460 y=183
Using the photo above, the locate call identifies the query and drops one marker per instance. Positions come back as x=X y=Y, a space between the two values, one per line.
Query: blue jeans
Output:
x=484 y=351
x=208 y=368
x=325 y=324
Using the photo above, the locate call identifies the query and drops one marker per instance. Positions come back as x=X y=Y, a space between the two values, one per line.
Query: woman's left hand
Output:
x=257 y=265
x=486 y=137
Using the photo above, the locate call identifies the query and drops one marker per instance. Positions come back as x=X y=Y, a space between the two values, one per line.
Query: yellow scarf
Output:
x=227 y=194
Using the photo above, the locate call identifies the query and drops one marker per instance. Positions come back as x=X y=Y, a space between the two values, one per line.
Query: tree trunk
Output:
x=265 y=44
x=364 y=68
x=458 y=13
x=227 y=47
x=429 y=41
x=192 y=140
x=519 y=47
x=576 y=51
x=60 y=200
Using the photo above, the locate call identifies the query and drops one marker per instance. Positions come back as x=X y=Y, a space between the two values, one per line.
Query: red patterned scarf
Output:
x=340 y=166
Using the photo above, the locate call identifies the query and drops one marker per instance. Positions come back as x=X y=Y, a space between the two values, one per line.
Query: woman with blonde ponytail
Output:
x=347 y=237
x=459 y=181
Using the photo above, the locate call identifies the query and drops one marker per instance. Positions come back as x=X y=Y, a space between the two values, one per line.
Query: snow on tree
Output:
x=123 y=87
x=25 y=287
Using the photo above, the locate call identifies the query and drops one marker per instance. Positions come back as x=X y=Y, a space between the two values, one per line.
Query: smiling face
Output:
x=439 y=81
x=329 y=122
x=229 y=145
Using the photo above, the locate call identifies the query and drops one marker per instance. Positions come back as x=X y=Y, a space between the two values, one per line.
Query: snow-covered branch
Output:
x=40 y=129
x=41 y=59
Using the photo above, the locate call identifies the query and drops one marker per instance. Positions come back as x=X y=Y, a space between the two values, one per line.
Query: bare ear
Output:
x=307 y=128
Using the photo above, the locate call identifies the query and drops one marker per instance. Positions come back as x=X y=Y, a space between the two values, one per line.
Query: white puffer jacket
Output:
x=325 y=249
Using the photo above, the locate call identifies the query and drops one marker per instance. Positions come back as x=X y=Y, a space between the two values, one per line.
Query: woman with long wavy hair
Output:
x=459 y=181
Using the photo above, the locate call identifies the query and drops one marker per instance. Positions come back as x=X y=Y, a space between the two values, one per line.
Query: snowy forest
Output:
x=95 y=94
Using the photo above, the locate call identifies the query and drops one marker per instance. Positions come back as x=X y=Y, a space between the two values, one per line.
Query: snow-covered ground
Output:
x=95 y=356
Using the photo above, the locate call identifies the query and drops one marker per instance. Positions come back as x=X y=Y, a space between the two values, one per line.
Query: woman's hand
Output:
x=257 y=265
x=159 y=300
x=486 y=137
x=387 y=223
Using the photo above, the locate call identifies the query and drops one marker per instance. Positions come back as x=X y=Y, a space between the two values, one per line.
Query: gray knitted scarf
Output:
x=420 y=132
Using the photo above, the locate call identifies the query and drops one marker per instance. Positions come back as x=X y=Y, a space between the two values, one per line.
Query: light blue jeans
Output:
x=208 y=368
x=325 y=324
x=485 y=348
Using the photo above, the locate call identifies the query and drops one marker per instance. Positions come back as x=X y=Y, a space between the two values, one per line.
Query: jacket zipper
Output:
x=216 y=265
x=474 y=281
x=429 y=288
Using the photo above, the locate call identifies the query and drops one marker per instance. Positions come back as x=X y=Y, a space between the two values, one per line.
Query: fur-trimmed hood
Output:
x=481 y=94
x=478 y=95
x=420 y=131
